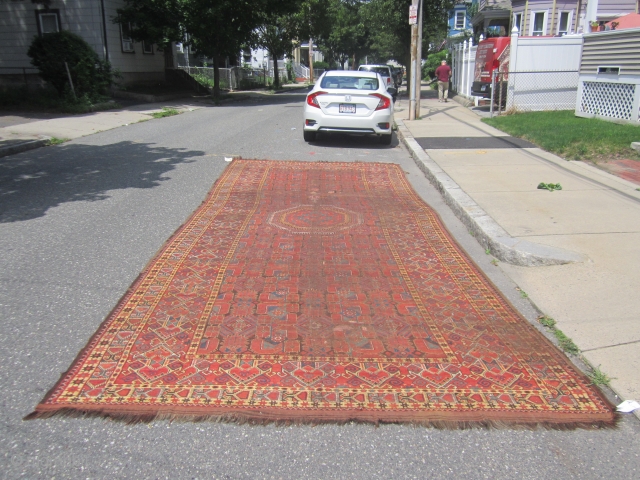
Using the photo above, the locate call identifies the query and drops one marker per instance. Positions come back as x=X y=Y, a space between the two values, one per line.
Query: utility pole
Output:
x=419 y=58
x=413 y=21
x=310 y=60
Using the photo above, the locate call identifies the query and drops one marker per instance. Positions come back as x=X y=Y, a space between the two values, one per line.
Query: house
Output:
x=460 y=20
x=560 y=17
x=493 y=18
x=21 y=20
x=546 y=17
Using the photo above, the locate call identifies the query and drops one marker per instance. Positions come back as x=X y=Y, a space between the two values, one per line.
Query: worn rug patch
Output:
x=321 y=292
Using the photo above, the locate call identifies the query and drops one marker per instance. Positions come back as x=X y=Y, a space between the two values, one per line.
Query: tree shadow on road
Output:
x=33 y=182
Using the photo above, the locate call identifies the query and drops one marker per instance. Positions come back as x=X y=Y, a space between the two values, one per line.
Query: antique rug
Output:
x=321 y=292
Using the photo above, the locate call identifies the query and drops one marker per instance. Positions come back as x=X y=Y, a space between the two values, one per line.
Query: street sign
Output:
x=413 y=15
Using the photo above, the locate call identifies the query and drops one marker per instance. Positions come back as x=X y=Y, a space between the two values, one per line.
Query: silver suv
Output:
x=385 y=73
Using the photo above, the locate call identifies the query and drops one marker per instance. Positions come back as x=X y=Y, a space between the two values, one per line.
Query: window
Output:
x=461 y=18
x=48 y=21
x=352 y=83
x=539 y=24
x=147 y=47
x=517 y=21
x=125 y=37
x=564 y=22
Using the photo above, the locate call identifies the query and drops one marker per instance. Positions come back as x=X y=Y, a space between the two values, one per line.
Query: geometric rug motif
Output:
x=321 y=292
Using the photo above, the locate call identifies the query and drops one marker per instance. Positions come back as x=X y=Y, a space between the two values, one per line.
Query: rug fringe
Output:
x=258 y=419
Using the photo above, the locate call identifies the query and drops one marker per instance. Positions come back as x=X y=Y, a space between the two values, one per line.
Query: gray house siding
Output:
x=614 y=8
x=620 y=48
x=18 y=26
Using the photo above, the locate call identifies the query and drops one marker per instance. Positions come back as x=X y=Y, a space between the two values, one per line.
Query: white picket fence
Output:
x=463 y=61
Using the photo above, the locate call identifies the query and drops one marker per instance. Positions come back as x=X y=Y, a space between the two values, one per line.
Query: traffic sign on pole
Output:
x=413 y=15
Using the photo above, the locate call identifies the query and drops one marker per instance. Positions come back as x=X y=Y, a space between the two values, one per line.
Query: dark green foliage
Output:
x=47 y=100
x=433 y=61
x=215 y=28
x=90 y=75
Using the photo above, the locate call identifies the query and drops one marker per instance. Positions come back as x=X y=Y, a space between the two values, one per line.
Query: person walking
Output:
x=443 y=74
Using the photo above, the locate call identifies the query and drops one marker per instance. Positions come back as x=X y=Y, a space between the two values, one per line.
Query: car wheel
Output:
x=385 y=139
x=309 y=136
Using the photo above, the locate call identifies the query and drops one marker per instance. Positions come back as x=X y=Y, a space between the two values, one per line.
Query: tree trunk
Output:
x=216 y=77
x=276 y=74
x=356 y=61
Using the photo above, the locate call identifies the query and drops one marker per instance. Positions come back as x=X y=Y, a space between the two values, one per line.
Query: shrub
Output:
x=320 y=65
x=433 y=62
x=90 y=75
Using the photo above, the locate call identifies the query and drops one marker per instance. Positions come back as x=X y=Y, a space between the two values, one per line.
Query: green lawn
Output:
x=571 y=137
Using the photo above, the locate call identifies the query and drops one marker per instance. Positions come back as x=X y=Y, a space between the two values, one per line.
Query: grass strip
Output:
x=564 y=342
x=165 y=112
x=57 y=141
x=571 y=137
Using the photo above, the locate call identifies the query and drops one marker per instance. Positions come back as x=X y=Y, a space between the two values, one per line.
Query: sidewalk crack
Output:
x=610 y=346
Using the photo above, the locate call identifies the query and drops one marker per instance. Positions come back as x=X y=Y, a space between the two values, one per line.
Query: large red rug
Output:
x=320 y=292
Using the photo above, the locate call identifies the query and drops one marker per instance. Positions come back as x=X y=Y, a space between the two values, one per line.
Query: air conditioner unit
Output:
x=127 y=46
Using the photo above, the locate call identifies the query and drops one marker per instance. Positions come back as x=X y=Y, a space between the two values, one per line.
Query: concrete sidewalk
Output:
x=24 y=131
x=575 y=252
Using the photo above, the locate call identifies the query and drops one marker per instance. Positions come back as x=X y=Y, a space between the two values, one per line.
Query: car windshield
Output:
x=381 y=70
x=346 y=82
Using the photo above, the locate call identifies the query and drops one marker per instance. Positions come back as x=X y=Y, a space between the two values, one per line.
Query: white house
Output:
x=21 y=20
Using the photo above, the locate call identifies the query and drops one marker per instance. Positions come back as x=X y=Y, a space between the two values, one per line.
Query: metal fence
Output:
x=540 y=90
x=235 y=78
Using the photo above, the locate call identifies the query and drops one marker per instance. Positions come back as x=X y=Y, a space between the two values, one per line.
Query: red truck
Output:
x=492 y=54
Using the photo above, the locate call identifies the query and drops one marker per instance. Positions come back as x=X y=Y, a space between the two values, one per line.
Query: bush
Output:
x=90 y=75
x=319 y=65
x=433 y=61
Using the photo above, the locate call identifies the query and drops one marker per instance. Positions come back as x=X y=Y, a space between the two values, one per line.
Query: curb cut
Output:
x=484 y=228
x=24 y=146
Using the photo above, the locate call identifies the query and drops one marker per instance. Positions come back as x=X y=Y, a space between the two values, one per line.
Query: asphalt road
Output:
x=79 y=221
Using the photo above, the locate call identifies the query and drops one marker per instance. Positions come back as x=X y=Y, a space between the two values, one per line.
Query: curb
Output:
x=24 y=146
x=147 y=98
x=484 y=228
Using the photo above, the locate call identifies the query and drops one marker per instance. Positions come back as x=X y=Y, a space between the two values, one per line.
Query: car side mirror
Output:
x=392 y=90
x=311 y=87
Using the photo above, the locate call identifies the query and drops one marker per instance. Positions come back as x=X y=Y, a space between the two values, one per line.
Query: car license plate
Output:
x=347 y=108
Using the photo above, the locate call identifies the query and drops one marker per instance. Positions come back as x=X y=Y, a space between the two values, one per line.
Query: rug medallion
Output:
x=320 y=292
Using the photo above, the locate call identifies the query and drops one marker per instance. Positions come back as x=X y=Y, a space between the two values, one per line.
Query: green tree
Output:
x=389 y=20
x=279 y=34
x=216 y=28
x=349 y=36
x=433 y=61
x=90 y=75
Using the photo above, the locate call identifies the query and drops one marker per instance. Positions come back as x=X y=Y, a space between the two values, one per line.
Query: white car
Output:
x=349 y=102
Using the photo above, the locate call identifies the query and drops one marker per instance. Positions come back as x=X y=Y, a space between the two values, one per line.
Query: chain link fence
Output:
x=542 y=90
x=530 y=91
x=235 y=78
